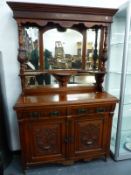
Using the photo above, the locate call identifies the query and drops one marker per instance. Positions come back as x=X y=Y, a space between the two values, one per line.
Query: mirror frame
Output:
x=47 y=16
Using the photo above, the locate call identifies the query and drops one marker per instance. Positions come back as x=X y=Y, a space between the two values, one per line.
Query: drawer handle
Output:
x=34 y=115
x=46 y=147
x=54 y=113
x=100 y=110
x=82 y=111
x=68 y=140
x=89 y=142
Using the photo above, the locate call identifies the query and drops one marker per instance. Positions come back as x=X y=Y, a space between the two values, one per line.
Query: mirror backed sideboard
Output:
x=63 y=112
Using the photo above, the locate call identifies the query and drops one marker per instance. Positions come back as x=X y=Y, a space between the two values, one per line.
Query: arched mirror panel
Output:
x=62 y=50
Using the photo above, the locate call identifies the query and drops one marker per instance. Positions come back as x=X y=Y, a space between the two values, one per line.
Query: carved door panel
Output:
x=46 y=140
x=90 y=132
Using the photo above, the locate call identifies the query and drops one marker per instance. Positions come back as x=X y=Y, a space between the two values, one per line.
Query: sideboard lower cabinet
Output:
x=64 y=131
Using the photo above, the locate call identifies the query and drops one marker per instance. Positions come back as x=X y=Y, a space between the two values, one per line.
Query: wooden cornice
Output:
x=60 y=12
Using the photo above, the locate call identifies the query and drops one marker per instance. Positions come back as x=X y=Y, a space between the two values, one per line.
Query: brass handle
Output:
x=100 y=110
x=82 y=111
x=46 y=147
x=89 y=142
x=66 y=140
x=34 y=115
x=54 y=113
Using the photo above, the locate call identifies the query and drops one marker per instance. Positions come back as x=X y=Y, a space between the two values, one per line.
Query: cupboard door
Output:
x=90 y=135
x=46 y=140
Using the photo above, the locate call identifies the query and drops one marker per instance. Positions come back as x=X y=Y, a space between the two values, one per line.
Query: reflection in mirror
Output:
x=92 y=51
x=47 y=79
x=62 y=50
x=82 y=79
x=37 y=80
x=31 y=44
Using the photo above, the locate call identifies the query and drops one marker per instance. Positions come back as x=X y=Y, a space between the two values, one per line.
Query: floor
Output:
x=95 y=167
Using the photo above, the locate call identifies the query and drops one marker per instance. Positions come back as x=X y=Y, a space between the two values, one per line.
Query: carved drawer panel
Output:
x=85 y=109
x=81 y=110
x=54 y=111
x=45 y=112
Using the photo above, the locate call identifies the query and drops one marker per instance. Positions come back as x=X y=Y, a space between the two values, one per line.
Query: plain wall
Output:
x=9 y=64
x=9 y=70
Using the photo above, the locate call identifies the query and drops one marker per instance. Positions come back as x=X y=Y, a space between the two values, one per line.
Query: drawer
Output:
x=54 y=111
x=46 y=112
x=85 y=109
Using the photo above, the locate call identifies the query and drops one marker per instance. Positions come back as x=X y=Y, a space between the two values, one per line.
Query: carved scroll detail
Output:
x=99 y=77
x=95 y=55
x=104 y=53
x=22 y=51
x=89 y=136
x=46 y=140
x=22 y=54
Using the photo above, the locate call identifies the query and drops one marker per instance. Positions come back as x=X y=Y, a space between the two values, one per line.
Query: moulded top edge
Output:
x=24 y=6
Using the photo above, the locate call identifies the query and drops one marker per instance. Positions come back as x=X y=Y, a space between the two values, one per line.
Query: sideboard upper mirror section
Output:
x=69 y=48
x=58 y=38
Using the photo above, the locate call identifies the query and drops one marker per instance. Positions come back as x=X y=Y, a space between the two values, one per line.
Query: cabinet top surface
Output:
x=64 y=99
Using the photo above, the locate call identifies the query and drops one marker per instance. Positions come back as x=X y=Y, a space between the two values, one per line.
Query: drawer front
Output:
x=86 y=109
x=54 y=111
x=45 y=112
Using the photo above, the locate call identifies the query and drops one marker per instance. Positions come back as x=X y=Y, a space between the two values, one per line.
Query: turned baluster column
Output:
x=21 y=55
x=104 y=53
x=84 y=50
x=103 y=57
x=99 y=77
x=95 y=55
x=101 y=47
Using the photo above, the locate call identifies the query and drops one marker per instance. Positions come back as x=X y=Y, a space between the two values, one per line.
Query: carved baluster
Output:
x=104 y=55
x=101 y=48
x=99 y=77
x=21 y=55
x=84 y=50
x=95 y=55
x=22 y=52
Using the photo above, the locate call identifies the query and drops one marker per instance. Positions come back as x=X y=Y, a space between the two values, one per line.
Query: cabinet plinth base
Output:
x=68 y=162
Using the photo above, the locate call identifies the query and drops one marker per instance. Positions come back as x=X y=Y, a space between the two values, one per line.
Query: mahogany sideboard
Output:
x=62 y=121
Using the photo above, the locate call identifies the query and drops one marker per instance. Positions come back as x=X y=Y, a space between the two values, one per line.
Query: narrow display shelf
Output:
x=117 y=44
x=127 y=146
